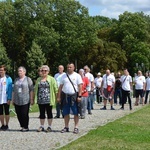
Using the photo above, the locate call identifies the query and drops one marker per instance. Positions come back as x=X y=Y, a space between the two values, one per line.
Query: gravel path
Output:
x=13 y=139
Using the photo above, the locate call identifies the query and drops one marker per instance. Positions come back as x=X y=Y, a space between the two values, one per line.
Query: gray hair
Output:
x=22 y=68
x=45 y=66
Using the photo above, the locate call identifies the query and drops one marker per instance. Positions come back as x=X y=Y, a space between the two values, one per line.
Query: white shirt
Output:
x=67 y=86
x=3 y=95
x=148 y=84
x=126 y=80
x=108 y=80
x=57 y=77
x=98 y=81
x=139 y=82
x=91 y=79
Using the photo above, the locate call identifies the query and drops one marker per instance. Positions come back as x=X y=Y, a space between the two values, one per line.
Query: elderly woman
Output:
x=22 y=98
x=45 y=95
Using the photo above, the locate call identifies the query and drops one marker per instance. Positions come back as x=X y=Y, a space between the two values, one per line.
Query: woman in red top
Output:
x=83 y=104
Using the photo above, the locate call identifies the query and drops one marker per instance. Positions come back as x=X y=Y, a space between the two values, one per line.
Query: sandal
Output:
x=65 y=129
x=76 y=131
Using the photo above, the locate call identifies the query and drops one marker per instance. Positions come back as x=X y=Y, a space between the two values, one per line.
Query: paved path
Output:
x=16 y=140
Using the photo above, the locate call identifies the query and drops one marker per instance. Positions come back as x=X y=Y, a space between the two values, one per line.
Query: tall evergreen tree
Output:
x=35 y=58
x=4 y=60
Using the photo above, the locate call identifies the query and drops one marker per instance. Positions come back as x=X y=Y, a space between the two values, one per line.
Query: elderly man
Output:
x=70 y=93
x=98 y=82
x=108 y=89
x=139 y=87
x=90 y=89
x=58 y=79
x=126 y=81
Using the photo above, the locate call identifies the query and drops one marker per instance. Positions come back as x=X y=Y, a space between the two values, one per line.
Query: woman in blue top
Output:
x=5 y=97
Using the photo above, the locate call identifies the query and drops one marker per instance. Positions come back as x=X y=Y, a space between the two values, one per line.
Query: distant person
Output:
x=98 y=83
x=126 y=81
x=22 y=98
x=70 y=93
x=147 y=87
x=46 y=90
x=5 y=97
x=107 y=89
x=139 y=82
x=91 y=88
x=57 y=77
x=85 y=87
x=118 y=90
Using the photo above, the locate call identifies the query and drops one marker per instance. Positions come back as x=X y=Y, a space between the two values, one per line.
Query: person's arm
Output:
x=31 y=97
x=59 y=93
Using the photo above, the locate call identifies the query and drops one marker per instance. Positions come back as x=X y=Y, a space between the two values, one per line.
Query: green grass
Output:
x=131 y=132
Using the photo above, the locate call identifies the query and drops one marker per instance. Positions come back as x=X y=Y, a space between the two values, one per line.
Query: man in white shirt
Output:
x=147 y=87
x=91 y=88
x=70 y=86
x=139 y=81
x=107 y=89
x=98 y=82
x=126 y=81
x=57 y=77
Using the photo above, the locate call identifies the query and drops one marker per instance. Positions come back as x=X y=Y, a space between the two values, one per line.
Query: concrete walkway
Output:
x=13 y=139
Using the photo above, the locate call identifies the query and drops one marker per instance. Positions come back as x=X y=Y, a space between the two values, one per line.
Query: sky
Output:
x=113 y=8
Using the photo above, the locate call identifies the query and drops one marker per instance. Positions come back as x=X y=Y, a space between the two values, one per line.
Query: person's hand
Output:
x=32 y=102
x=8 y=102
x=78 y=99
x=58 y=100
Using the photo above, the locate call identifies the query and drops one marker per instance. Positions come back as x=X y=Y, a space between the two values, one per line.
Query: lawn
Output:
x=131 y=132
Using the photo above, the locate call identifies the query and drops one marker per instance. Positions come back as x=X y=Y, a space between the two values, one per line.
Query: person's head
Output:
x=139 y=73
x=39 y=71
x=21 y=71
x=45 y=70
x=81 y=72
x=86 y=69
x=70 y=68
x=125 y=71
x=2 y=70
x=118 y=75
x=107 y=72
x=98 y=74
x=60 y=69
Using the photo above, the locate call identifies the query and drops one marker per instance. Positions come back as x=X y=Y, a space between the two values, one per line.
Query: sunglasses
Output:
x=44 y=70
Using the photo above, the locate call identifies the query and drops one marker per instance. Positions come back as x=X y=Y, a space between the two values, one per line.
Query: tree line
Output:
x=53 y=32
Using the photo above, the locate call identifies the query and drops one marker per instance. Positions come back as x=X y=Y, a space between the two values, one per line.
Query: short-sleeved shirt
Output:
x=91 y=79
x=108 y=80
x=148 y=84
x=85 y=86
x=126 y=80
x=98 y=82
x=22 y=97
x=58 y=78
x=43 y=93
x=139 y=82
x=67 y=86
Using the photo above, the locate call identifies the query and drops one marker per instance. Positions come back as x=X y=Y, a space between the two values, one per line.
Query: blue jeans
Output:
x=90 y=102
x=82 y=106
x=118 y=92
x=146 y=96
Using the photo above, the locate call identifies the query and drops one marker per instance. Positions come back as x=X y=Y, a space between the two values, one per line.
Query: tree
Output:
x=4 y=60
x=35 y=58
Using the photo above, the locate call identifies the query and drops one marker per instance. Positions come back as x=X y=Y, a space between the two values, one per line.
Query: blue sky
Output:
x=113 y=8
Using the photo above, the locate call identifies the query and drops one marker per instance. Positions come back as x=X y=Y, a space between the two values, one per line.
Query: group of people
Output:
x=71 y=92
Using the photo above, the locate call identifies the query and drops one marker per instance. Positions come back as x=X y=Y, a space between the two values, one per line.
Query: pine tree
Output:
x=35 y=59
x=4 y=60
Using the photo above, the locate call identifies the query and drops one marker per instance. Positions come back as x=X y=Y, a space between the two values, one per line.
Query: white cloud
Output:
x=113 y=8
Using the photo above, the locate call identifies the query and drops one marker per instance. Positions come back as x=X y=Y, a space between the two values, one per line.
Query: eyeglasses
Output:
x=44 y=70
